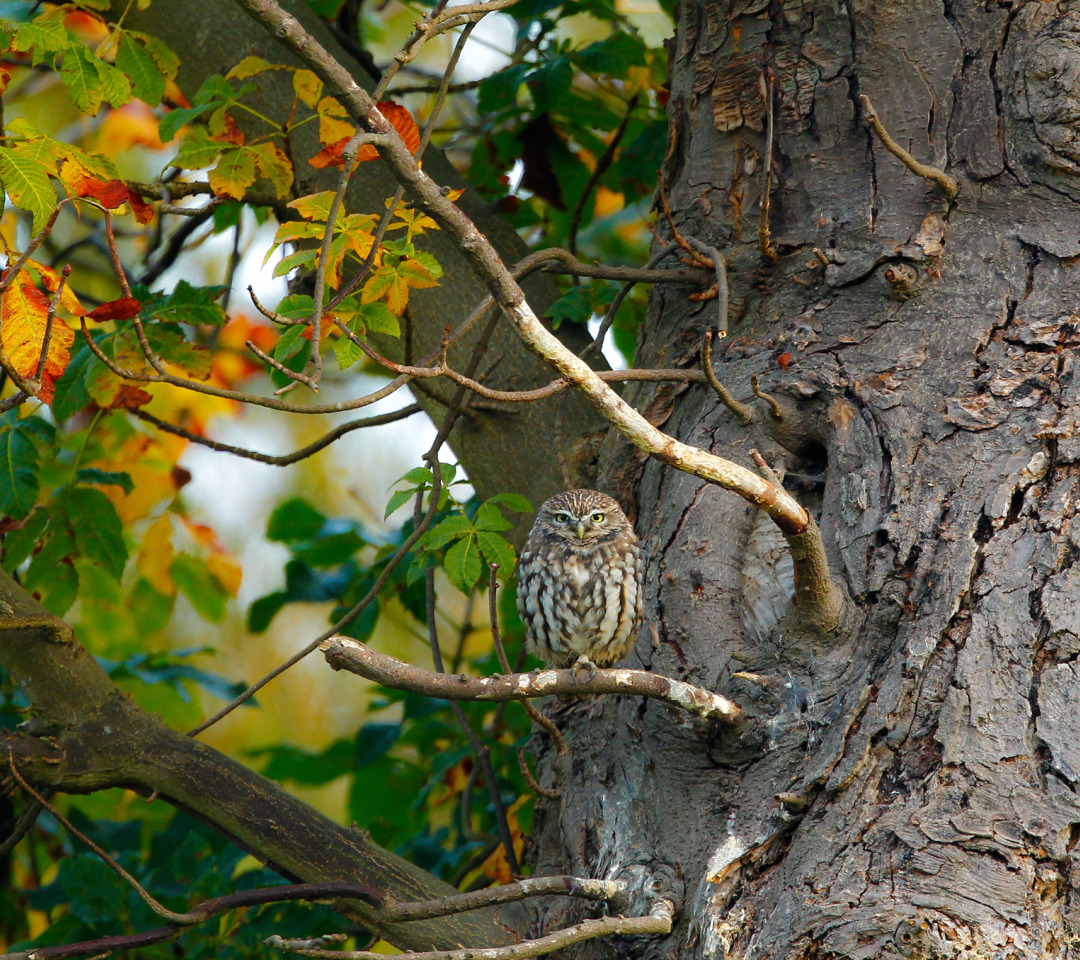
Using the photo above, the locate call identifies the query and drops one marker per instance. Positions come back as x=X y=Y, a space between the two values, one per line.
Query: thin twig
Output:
x=949 y=185
x=533 y=783
x=741 y=410
x=285 y=459
x=720 y=266
x=602 y=164
x=768 y=251
x=23 y=826
x=50 y=317
x=658 y=922
x=444 y=87
x=480 y=752
x=613 y=308
x=345 y=653
x=349 y=617
x=500 y=651
x=775 y=410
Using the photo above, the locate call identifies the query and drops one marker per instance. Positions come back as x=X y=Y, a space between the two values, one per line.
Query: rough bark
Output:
x=909 y=787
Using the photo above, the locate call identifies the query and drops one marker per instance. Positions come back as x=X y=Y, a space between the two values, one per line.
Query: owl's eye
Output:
x=562 y=518
x=597 y=518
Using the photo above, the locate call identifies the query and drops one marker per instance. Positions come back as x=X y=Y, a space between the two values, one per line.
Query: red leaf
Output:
x=784 y=360
x=112 y=194
x=123 y=309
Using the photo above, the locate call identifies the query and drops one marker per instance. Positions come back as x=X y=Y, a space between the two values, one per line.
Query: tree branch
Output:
x=657 y=923
x=344 y=653
x=949 y=186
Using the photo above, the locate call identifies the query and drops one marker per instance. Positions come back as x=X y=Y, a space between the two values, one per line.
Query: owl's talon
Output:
x=583 y=662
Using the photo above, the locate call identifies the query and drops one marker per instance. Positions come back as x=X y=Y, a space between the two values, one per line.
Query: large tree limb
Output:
x=98 y=738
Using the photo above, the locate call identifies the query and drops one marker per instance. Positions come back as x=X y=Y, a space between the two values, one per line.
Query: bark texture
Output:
x=908 y=788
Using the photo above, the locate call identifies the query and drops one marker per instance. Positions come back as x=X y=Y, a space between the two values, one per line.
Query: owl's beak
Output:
x=581 y=530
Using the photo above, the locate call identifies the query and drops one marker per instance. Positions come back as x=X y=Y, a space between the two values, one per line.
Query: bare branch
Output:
x=949 y=186
x=741 y=410
x=344 y=653
x=658 y=922
x=614 y=891
x=721 y=282
x=775 y=409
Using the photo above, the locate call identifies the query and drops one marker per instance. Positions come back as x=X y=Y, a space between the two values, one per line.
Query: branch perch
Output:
x=344 y=653
x=949 y=186
x=657 y=922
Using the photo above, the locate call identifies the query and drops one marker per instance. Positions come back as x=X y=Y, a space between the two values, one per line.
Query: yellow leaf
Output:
x=51 y=280
x=25 y=317
x=151 y=462
x=248 y=67
x=307 y=87
x=495 y=866
x=227 y=571
x=315 y=206
x=156 y=556
x=274 y=165
x=334 y=123
x=234 y=173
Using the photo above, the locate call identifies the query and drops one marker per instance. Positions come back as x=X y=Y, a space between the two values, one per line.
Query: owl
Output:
x=579 y=580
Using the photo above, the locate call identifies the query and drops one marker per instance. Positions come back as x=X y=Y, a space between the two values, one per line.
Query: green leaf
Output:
x=196 y=151
x=293 y=260
x=290 y=342
x=167 y=61
x=72 y=394
x=612 y=56
x=50 y=577
x=195 y=581
x=575 y=305
x=171 y=123
x=168 y=341
x=188 y=304
x=332 y=550
x=497 y=550
x=115 y=86
x=462 y=564
x=43 y=37
x=93 y=475
x=428 y=260
x=294 y=520
x=18 y=473
x=296 y=306
x=373 y=741
x=489 y=517
x=27 y=183
x=80 y=75
x=512 y=501
x=398 y=498
x=377 y=318
x=499 y=91
x=308 y=768
x=445 y=531
x=346 y=351
x=262 y=612
x=99 y=535
x=92 y=888
x=20 y=542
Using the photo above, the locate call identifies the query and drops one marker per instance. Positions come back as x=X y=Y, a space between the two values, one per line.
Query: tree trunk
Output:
x=907 y=787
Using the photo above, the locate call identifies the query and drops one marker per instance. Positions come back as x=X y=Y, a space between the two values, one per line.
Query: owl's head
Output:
x=582 y=515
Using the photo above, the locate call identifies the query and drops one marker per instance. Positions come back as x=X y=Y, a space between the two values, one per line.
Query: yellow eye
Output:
x=597 y=518
x=562 y=518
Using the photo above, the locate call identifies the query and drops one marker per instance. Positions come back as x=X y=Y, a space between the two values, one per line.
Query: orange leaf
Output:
x=783 y=360
x=123 y=309
x=403 y=123
x=130 y=398
x=330 y=155
x=25 y=313
x=51 y=280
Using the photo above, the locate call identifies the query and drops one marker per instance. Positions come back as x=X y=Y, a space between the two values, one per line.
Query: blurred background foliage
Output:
x=190 y=573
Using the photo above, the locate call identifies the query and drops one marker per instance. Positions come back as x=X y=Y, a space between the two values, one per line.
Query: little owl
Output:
x=579 y=580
